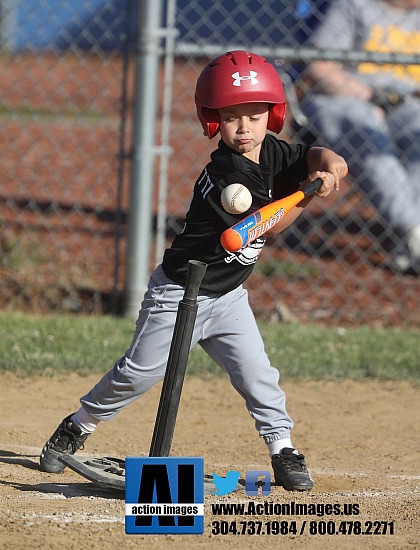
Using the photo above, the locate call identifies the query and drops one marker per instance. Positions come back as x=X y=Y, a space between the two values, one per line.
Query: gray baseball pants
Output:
x=225 y=328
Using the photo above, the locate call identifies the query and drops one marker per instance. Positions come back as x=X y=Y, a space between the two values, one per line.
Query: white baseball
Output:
x=236 y=198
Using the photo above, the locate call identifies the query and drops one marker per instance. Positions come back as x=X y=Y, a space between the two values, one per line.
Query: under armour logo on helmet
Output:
x=237 y=78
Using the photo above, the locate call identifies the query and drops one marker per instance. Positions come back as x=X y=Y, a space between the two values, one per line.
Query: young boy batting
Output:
x=240 y=95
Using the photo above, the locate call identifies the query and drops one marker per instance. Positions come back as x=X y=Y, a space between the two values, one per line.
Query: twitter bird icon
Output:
x=225 y=485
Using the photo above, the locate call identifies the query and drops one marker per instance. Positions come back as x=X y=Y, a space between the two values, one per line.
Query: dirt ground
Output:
x=360 y=439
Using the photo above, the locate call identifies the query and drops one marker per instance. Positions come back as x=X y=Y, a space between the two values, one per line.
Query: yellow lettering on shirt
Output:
x=392 y=39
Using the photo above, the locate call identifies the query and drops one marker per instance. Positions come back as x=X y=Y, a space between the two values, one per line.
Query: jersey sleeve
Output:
x=206 y=202
x=289 y=167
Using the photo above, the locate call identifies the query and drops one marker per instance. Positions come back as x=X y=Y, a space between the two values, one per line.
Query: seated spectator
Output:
x=370 y=113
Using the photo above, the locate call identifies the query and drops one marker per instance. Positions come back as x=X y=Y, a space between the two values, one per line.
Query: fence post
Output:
x=140 y=215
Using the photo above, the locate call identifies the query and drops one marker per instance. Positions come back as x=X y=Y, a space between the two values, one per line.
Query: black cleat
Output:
x=66 y=440
x=290 y=471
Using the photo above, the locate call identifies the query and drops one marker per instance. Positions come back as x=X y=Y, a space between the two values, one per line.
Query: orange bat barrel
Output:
x=262 y=220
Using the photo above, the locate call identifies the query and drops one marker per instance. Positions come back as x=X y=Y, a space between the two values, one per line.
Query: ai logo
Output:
x=237 y=78
x=164 y=495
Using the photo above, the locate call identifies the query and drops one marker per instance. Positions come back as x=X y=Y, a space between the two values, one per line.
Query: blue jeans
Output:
x=382 y=152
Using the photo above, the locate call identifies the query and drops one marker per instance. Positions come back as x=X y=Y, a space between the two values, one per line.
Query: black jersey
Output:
x=282 y=167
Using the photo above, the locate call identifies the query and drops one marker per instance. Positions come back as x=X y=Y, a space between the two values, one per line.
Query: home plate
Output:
x=106 y=472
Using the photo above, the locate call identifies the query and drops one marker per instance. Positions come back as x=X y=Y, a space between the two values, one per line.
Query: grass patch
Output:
x=313 y=351
x=50 y=345
x=53 y=345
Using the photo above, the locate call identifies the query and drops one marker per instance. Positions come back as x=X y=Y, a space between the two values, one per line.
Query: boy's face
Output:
x=243 y=127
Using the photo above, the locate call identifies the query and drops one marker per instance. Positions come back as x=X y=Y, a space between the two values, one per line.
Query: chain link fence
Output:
x=67 y=82
x=64 y=82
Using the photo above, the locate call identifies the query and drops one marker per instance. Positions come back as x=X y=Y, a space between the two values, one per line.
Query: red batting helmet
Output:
x=234 y=78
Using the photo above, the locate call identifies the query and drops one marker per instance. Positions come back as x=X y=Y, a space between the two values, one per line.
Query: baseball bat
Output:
x=263 y=219
x=177 y=362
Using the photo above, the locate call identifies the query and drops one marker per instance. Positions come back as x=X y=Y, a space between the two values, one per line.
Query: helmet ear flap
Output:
x=212 y=122
x=276 y=117
x=212 y=129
